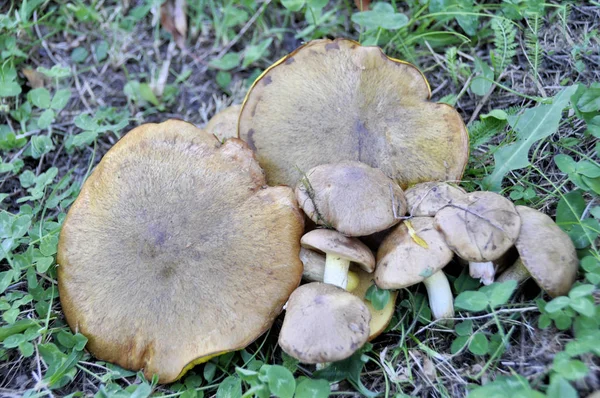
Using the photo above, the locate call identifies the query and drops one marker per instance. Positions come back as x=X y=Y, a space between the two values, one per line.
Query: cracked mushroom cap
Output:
x=332 y=242
x=174 y=252
x=335 y=100
x=224 y=124
x=323 y=323
x=427 y=198
x=547 y=252
x=404 y=259
x=314 y=268
x=351 y=197
x=480 y=226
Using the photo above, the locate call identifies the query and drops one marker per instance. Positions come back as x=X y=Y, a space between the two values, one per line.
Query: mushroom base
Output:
x=485 y=272
x=440 y=297
x=336 y=271
x=516 y=272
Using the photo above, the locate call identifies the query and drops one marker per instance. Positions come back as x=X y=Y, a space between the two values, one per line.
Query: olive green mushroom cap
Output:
x=332 y=242
x=323 y=323
x=224 y=124
x=175 y=251
x=403 y=261
x=351 y=197
x=547 y=252
x=335 y=100
x=427 y=198
x=480 y=226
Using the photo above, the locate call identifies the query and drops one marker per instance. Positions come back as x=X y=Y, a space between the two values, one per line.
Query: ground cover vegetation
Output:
x=76 y=75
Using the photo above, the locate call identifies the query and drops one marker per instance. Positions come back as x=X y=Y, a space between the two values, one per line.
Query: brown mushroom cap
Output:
x=480 y=226
x=224 y=124
x=334 y=100
x=314 y=267
x=427 y=198
x=402 y=262
x=351 y=197
x=174 y=251
x=332 y=242
x=323 y=323
x=547 y=252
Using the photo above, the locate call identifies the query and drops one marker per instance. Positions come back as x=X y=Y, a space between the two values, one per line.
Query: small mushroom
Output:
x=409 y=257
x=351 y=197
x=224 y=124
x=175 y=251
x=427 y=198
x=323 y=323
x=546 y=253
x=339 y=251
x=479 y=227
x=359 y=281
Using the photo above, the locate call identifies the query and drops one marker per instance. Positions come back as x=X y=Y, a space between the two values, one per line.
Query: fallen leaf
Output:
x=362 y=5
x=35 y=78
x=413 y=234
x=174 y=20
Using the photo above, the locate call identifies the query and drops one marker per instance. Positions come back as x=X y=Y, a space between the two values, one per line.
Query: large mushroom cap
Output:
x=402 y=261
x=334 y=100
x=323 y=323
x=547 y=252
x=480 y=226
x=224 y=124
x=174 y=252
x=351 y=197
x=332 y=242
x=427 y=198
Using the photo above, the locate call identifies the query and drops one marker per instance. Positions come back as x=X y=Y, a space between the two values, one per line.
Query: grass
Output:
x=77 y=75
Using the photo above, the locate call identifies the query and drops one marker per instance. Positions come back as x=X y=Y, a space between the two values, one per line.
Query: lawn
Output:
x=77 y=75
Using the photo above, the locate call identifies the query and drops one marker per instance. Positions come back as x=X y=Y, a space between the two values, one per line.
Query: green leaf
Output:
x=565 y=163
x=582 y=290
x=281 y=381
x=312 y=388
x=9 y=89
x=531 y=126
x=570 y=369
x=39 y=97
x=464 y=328
x=293 y=5
x=79 y=55
x=26 y=349
x=544 y=321
x=147 y=94
x=583 y=305
x=514 y=386
x=557 y=304
x=499 y=293
x=46 y=119
x=378 y=297
x=471 y=301
x=60 y=99
x=86 y=122
x=590 y=100
x=560 y=388
x=227 y=62
x=57 y=71
x=498 y=114
x=382 y=16
x=458 y=344
x=6 y=279
x=482 y=83
x=255 y=52
x=231 y=387
x=479 y=344
x=562 y=321
x=223 y=79
x=42 y=264
x=209 y=371
x=101 y=50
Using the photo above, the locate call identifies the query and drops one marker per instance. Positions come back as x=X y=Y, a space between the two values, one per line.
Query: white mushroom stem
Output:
x=336 y=270
x=516 y=272
x=485 y=272
x=441 y=301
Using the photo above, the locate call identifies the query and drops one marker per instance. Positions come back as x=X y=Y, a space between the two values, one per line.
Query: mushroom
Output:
x=224 y=124
x=546 y=253
x=323 y=323
x=479 y=227
x=351 y=197
x=427 y=198
x=335 y=100
x=359 y=281
x=339 y=251
x=176 y=251
x=409 y=257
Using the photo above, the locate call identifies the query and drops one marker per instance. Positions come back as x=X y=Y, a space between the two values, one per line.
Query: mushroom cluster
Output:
x=178 y=250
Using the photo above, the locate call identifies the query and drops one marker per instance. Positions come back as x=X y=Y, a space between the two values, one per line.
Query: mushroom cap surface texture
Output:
x=323 y=323
x=224 y=124
x=332 y=242
x=547 y=252
x=480 y=226
x=350 y=197
x=175 y=252
x=335 y=100
x=402 y=262
x=427 y=198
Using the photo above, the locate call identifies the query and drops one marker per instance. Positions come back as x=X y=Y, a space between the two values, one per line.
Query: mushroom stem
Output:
x=516 y=272
x=336 y=271
x=485 y=272
x=441 y=301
